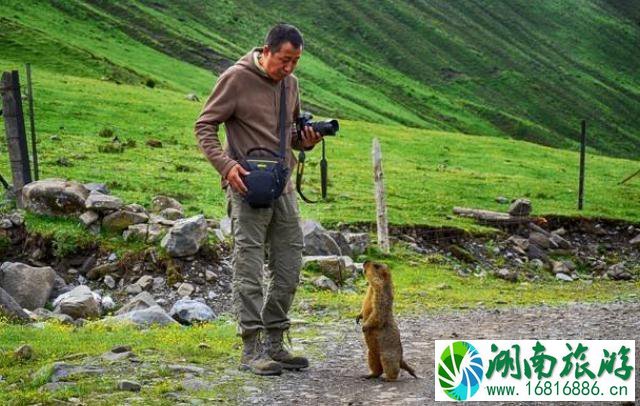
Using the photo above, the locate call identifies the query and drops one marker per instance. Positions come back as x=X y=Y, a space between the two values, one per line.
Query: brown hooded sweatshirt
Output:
x=247 y=101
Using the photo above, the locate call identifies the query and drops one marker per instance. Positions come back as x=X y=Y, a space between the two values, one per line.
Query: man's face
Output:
x=282 y=63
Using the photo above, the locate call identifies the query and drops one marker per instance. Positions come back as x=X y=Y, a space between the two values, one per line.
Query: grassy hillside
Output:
x=426 y=172
x=526 y=70
x=93 y=62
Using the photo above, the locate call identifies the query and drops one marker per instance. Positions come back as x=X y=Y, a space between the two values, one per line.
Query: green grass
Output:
x=517 y=69
x=417 y=281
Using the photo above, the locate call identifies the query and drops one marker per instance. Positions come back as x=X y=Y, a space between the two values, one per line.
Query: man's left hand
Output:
x=310 y=137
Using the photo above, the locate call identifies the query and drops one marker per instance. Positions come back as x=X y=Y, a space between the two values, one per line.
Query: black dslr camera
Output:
x=326 y=127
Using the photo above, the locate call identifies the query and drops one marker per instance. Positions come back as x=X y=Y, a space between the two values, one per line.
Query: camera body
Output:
x=324 y=128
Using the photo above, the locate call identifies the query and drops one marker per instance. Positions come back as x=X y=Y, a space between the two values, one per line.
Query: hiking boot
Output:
x=255 y=359
x=277 y=352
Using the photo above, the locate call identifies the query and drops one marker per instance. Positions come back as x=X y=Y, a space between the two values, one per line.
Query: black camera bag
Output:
x=268 y=174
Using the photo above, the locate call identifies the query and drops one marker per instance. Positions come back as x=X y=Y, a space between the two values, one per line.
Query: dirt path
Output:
x=334 y=377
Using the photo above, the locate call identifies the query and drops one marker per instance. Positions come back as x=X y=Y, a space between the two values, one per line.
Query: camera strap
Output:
x=324 y=169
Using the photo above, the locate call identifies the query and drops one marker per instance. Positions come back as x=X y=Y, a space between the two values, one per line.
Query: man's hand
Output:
x=310 y=137
x=234 y=177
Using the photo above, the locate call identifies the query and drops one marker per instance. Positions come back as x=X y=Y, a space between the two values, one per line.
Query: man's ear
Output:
x=266 y=50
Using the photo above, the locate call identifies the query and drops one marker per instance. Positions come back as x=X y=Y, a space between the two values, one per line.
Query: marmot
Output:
x=380 y=329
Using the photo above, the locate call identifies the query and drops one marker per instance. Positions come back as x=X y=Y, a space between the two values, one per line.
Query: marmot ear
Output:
x=386 y=274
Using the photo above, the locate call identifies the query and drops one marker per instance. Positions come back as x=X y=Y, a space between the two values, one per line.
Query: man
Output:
x=246 y=98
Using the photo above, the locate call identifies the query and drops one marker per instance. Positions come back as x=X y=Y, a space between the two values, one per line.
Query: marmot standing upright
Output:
x=380 y=330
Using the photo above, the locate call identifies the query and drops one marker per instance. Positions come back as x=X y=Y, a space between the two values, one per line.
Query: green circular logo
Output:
x=460 y=370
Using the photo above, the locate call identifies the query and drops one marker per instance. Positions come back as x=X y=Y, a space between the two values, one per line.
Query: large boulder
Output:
x=332 y=266
x=358 y=242
x=317 y=240
x=55 y=197
x=185 y=237
x=29 y=286
x=121 y=219
x=342 y=242
x=100 y=202
x=187 y=311
x=10 y=309
x=79 y=303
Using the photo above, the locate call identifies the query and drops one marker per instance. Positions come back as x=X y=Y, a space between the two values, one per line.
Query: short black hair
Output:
x=282 y=33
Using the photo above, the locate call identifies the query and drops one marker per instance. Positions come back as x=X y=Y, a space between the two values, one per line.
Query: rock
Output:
x=560 y=267
x=540 y=239
x=160 y=203
x=506 y=274
x=55 y=197
x=186 y=369
x=112 y=356
x=100 y=202
x=635 y=240
x=171 y=214
x=535 y=252
x=185 y=289
x=317 y=240
x=121 y=219
x=158 y=283
x=537 y=264
x=145 y=317
x=79 y=303
x=558 y=242
x=148 y=232
x=5 y=224
x=618 y=272
x=145 y=282
x=110 y=282
x=502 y=200
x=44 y=314
x=144 y=300
x=136 y=208
x=322 y=282
x=103 y=270
x=342 y=242
x=27 y=285
x=107 y=303
x=209 y=276
x=10 y=309
x=519 y=242
x=358 y=242
x=331 y=266
x=520 y=208
x=17 y=218
x=63 y=371
x=59 y=287
x=89 y=217
x=24 y=352
x=133 y=289
x=564 y=277
x=185 y=237
x=195 y=384
x=187 y=311
x=131 y=386
x=97 y=187
x=192 y=97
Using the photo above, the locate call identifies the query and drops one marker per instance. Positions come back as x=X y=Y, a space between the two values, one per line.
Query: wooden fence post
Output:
x=583 y=144
x=16 y=135
x=381 y=206
x=32 y=124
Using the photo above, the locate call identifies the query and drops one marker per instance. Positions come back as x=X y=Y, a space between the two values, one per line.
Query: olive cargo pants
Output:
x=274 y=231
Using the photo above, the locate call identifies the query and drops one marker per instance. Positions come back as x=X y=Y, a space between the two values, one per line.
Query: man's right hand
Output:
x=234 y=177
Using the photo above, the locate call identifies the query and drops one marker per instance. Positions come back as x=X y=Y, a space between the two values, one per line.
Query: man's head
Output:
x=282 y=50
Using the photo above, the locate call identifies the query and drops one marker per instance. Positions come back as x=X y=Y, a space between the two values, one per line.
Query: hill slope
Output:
x=528 y=70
